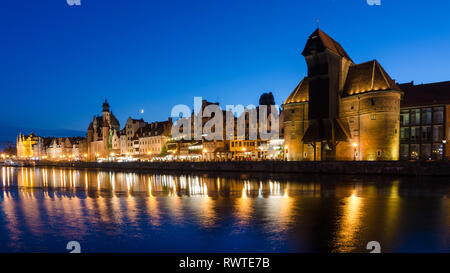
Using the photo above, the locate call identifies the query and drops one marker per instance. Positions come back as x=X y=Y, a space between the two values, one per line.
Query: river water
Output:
x=42 y=209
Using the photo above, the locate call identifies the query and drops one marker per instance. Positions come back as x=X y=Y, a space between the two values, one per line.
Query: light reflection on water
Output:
x=41 y=209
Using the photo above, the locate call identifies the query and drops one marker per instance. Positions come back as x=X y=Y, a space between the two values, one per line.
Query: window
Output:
x=426 y=116
x=438 y=115
x=372 y=102
x=415 y=116
x=415 y=133
x=379 y=153
x=426 y=133
x=404 y=151
x=373 y=117
x=404 y=133
x=404 y=118
x=438 y=133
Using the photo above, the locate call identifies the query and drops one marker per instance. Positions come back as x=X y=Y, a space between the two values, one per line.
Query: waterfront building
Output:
x=29 y=146
x=65 y=148
x=153 y=137
x=123 y=142
x=341 y=110
x=100 y=134
x=246 y=148
x=131 y=140
x=425 y=121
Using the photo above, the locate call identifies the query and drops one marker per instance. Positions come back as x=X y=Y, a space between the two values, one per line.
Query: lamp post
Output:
x=355 y=145
x=444 y=143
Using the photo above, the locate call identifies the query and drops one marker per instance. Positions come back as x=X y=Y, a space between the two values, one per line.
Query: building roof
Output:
x=366 y=77
x=300 y=93
x=425 y=94
x=114 y=121
x=154 y=129
x=320 y=41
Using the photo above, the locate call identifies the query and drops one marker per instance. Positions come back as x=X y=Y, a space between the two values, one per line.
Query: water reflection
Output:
x=41 y=208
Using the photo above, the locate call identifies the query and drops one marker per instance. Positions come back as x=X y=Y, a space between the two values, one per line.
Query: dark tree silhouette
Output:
x=266 y=99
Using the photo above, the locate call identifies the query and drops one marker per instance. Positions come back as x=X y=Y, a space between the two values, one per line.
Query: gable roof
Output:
x=300 y=93
x=325 y=42
x=366 y=77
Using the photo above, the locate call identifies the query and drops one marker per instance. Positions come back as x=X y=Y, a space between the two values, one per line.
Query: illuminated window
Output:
x=373 y=116
x=415 y=116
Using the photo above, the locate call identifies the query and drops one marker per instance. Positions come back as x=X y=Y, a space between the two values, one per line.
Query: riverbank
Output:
x=416 y=168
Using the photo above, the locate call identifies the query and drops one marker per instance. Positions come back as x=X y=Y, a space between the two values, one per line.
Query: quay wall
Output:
x=416 y=168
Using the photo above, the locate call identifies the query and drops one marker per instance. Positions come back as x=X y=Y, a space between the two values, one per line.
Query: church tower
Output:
x=105 y=112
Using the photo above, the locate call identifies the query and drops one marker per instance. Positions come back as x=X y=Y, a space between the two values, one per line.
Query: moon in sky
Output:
x=142 y=111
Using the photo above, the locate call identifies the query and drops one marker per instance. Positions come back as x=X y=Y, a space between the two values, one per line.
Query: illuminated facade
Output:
x=341 y=110
x=153 y=138
x=101 y=133
x=29 y=146
x=128 y=138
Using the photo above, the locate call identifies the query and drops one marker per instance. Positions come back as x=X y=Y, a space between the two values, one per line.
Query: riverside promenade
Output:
x=411 y=168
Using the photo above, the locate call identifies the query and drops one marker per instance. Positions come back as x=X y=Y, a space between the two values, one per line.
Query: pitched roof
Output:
x=326 y=43
x=425 y=94
x=366 y=77
x=114 y=121
x=300 y=93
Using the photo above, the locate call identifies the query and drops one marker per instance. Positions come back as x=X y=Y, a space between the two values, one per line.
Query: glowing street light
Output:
x=355 y=145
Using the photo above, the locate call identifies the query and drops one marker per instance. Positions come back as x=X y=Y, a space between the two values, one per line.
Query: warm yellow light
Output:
x=285 y=147
x=355 y=144
x=85 y=155
x=112 y=154
x=204 y=150
x=243 y=149
x=97 y=154
x=149 y=153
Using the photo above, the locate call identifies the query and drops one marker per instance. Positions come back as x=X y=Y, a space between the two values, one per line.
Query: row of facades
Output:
x=340 y=111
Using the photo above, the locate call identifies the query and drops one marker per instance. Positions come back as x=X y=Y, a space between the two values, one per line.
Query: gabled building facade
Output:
x=100 y=134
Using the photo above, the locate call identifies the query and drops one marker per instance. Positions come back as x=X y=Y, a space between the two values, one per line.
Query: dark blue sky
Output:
x=58 y=62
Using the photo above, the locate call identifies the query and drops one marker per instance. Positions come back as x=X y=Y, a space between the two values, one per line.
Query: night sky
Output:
x=59 y=62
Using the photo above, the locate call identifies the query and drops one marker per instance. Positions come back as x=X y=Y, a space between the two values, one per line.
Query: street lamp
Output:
x=355 y=145
x=444 y=142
